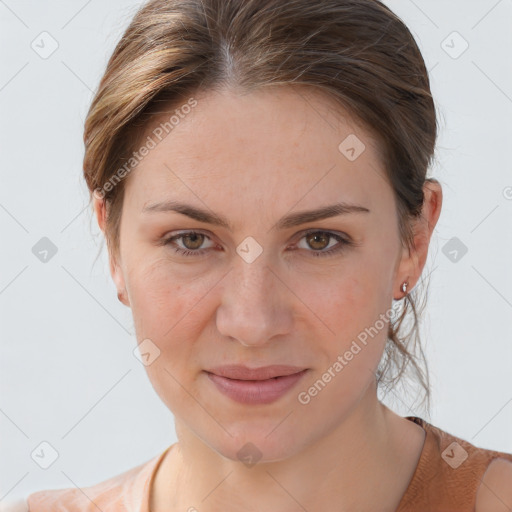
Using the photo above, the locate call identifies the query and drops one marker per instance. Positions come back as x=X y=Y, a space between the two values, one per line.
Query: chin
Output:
x=257 y=444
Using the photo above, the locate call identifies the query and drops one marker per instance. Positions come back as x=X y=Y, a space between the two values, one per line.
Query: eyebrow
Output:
x=288 y=221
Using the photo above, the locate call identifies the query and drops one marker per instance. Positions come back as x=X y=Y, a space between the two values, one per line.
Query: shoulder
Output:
x=495 y=491
x=14 y=506
x=124 y=492
x=454 y=474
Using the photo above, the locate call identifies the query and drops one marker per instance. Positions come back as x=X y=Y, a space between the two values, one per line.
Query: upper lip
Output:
x=241 y=372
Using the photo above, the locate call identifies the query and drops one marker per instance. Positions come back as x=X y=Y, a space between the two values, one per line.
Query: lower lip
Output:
x=255 y=391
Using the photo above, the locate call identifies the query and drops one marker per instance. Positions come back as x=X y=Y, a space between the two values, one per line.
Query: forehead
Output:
x=286 y=144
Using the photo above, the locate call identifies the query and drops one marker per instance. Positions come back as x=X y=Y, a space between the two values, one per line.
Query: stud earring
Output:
x=404 y=286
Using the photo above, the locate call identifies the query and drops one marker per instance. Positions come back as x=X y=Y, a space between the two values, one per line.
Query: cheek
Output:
x=165 y=306
x=171 y=314
x=350 y=356
x=352 y=312
x=341 y=301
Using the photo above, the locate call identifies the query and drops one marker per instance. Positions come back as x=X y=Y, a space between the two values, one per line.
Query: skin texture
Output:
x=254 y=158
x=495 y=491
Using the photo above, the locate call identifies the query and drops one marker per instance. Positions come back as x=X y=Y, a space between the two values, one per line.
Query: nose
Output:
x=256 y=304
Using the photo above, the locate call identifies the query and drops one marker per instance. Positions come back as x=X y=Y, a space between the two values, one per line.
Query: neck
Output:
x=373 y=449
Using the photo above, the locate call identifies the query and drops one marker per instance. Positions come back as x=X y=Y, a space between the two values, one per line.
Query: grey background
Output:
x=67 y=372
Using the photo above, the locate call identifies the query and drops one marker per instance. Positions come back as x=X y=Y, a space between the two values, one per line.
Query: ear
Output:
x=413 y=260
x=116 y=271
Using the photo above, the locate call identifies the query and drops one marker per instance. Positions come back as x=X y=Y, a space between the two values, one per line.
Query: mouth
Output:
x=264 y=389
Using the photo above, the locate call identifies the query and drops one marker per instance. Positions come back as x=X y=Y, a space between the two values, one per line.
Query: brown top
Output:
x=446 y=479
x=448 y=473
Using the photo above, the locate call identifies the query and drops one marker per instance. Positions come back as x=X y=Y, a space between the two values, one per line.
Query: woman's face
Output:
x=261 y=290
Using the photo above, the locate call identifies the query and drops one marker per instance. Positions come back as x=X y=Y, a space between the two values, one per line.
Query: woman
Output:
x=258 y=168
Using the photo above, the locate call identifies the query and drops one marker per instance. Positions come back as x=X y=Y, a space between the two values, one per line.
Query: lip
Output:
x=241 y=372
x=259 y=390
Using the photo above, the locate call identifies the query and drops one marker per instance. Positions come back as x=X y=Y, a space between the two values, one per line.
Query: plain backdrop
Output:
x=68 y=375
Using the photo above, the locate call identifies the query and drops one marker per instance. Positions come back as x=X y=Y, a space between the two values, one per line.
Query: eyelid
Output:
x=324 y=230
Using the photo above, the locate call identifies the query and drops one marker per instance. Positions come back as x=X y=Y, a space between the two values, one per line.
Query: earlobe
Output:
x=121 y=296
x=405 y=288
x=411 y=265
x=404 y=273
x=117 y=275
x=115 y=269
x=410 y=268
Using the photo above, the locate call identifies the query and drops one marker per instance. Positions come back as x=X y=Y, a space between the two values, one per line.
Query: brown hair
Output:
x=357 y=52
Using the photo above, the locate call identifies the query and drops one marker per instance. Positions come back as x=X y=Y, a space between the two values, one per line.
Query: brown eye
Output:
x=318 y=240
x=193 y=241
x=324 y=243
x=188 y=243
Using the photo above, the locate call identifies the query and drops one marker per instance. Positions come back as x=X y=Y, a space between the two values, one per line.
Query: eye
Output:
x=192 y=240
x=319 y=241
x=315 y=239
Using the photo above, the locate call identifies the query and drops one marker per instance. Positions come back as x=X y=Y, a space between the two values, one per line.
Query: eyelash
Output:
x=343 y=243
